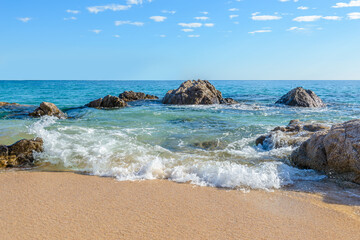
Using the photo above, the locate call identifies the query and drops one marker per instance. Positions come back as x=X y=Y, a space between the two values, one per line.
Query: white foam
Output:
x=116 y=152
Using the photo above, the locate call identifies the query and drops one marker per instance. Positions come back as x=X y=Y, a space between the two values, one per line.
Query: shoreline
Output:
x=67 y=205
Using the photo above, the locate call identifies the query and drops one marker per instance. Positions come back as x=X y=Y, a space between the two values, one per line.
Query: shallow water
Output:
x=204 y=145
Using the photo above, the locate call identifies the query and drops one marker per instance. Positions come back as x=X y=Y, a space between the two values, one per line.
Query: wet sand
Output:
x=52 y=205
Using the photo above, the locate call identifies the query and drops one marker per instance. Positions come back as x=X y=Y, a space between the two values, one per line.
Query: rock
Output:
x=48 y=109
x=294 y=134
x=335 y=152
x=210 y=145
x=228 y=101
x=199 y=92
x=135 y=96
x=20 y=153
x=107 y=102
x=300 y=97
x=6 y=104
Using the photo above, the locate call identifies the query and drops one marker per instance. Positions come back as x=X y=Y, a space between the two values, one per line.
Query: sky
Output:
x=180 y=39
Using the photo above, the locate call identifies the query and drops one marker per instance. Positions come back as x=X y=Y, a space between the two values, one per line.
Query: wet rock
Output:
x=107 y=102
x=300 y=97
x=20 y=153
x=228 y=101
x=335 y=152
x=200 y=92
x=6 y=104
x=209 y=145
x=48 y=109
x=294 y=134
x=130 y=96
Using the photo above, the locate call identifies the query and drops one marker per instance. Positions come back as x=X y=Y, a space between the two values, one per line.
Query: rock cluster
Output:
x=335 y=152
x=294 y=134
x=20 y=153
x=107 y=102
x=300 y=97
x=200 y=92
x=130 y=96
x=48 y=109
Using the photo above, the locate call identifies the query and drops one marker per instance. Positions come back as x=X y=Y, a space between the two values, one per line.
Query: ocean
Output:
x=203 y=145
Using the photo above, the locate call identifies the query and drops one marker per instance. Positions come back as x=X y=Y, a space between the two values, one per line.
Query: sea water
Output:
x=203 y=145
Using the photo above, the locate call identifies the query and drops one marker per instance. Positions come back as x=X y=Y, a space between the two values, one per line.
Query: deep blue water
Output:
x=149 y=140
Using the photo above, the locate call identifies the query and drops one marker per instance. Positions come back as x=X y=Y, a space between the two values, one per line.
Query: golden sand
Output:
x=50 y=205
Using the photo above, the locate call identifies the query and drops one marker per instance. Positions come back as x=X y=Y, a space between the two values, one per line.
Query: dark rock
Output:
x=335 y=152
x=199 y=92
x=6 y=104
x=48 y=109
x=130 y=96
x=20 y=153
x=294 y=134
x=300 y=97
x=209 y=145
x=107 y=102
x=228 y=101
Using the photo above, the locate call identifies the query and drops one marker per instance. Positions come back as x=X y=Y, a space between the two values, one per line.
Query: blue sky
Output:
x=179 y=39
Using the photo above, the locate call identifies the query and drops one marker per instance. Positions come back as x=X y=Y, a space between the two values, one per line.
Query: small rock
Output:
x=200 y=92
x=48 y=109
x=130 y=96
x=20 y=153
x=300 y=97
x=294 y=134
x=107 y=102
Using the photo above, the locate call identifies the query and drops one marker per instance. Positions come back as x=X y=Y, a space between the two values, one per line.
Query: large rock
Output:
x=20 y=153
x=199 y=92
x=107 y=102
x=300 y=97
x=294 y=134
x=130 y=96
x=336 y=152
x=48 y=109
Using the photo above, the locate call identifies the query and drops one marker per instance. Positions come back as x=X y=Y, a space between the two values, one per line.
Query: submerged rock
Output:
x=48 y=109
x=300 y=97
x=294 y=134
x=200 y=92
x=130 y=96
x=107 y=102
x=20 y=153
x=210 y=145
x=6 y=104
x=335 y=152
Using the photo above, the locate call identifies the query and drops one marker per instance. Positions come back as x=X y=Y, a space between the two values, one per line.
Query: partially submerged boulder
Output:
x=335 y=152
x=200 y=92
x=20 y=153
x=130 y=96
x=48 y=109
x=300 y=97
x=6 y=104
x=107 y=102
x=294 y=134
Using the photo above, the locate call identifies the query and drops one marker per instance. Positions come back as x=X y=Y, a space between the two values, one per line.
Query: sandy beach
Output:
x=54 y=205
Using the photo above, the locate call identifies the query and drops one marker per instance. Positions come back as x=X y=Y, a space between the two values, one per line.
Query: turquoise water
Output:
x=149 y=140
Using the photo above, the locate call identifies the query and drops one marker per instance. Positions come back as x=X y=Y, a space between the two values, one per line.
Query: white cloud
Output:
x=265 y=17
x=354 y=15
x=70 y=18
x=25 y=19
x=233 y=16
x=96 y=31
x=193 y=36
x=158 y=18
x=352 y=3
x=72 y=11
x=162 y=35
x=187 y=30
x=303 y=8
x=295 y=29
x=112 y=7
x=190 y=25
x=260 y=31
x=117 y=36
x=118 y=23
x=233 y=9
x=205 y=13
x=307 y=18
x=167 y=11
x=314 y=18
x=137 y=2
x=209 y=24
x=202 y=18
